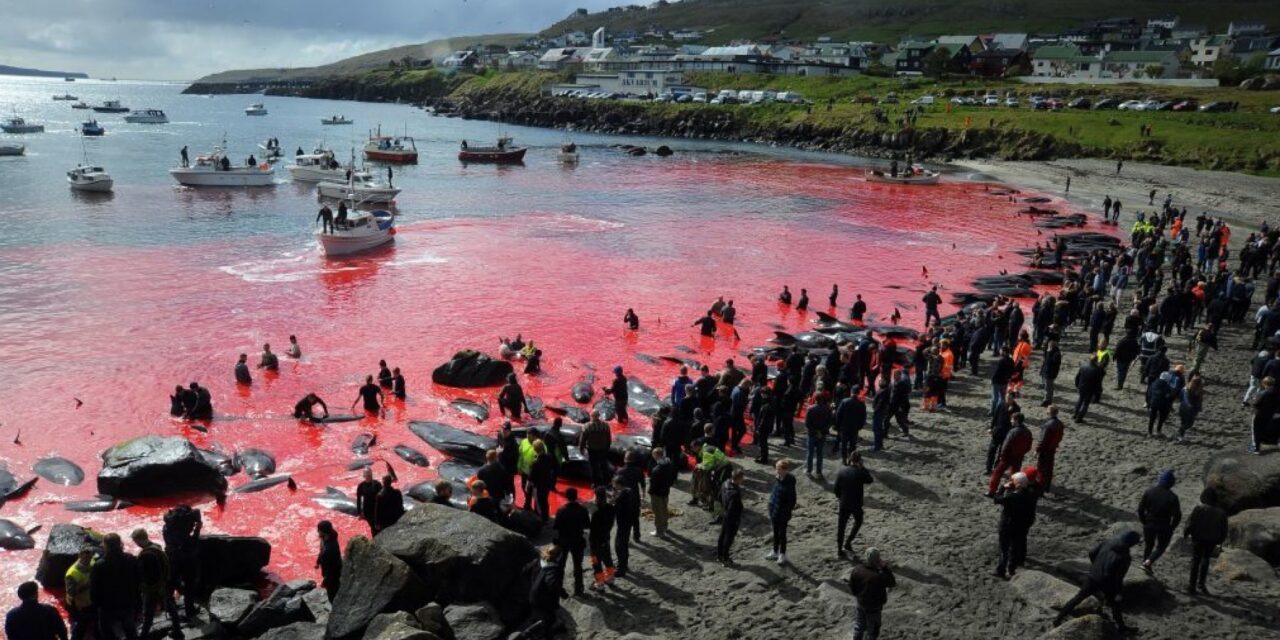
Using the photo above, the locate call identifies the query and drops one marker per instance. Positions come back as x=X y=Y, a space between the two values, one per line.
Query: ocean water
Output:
x=112 y=300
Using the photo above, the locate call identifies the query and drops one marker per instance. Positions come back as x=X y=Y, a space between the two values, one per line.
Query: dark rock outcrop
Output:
x=60 y=551
x=474 y=622
x=230 y=606
x=373 y=581
x=233 y=560
x=1257 y=531
x=1243 y=481
x=157 y=466
x=282 y=608
x=472 y=369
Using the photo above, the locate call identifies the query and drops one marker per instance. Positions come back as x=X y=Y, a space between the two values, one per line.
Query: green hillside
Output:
x=887 y=21
x=434 y=49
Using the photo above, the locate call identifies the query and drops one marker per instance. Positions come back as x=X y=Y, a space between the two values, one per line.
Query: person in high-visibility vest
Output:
x=79 y=603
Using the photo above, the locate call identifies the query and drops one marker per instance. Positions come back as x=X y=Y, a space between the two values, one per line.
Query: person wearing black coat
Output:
x=1000 y=377
x=1207 y=528
x=626 y=504
x=33 y=620
x=662 y=475
x=731 y=499
x=542 y=477
x=602 y=522
x=1050 y=367
x=571 y=524
x=1159 y=511
x=329 y=561
x=1110 y=562
x=495 y=477
x=764 y=420
x=1160 y=398
x=1156 y=364
x=1088 y=385
x=390 y=504
x=632 y=475
x=1001 y=424
x=1017 y=499
x=870 y=583
x=114 y=589
x=881 y=410
x=901 y=399
x=851 y=417
x=782 y=503
x=849 y=487
x=547 y=589
x=978 y=344
x=1265 y=406
x=1127 y=350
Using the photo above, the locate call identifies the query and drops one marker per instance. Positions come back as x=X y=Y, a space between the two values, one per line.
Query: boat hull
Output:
x=98 y=186
x=29 y=128
x=568 y=158
x=146 y=120
x=391 y=157
x=930 y=179
x=513 y=156
x=336 y=122
x=339 y=191
x=111 y=109
x=12 y=149
x=359 y=239
x=232 y=178
x=313 y=174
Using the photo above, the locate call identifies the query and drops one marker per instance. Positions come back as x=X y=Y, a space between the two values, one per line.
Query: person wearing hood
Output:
x=1017 y=499
x=1206 y=528
x=1160 y=397
x=1110 y=561
x=870 y=583
x=782 y=503
x=1159 y=511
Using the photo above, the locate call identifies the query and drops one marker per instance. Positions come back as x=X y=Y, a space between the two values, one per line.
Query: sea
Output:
x=109 y=300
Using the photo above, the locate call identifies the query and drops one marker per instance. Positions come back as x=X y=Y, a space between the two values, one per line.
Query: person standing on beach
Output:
x=1088 y=379
x=329 y=560
x=870 y=583
x=782 y=503
x=114 y=589
x=601 y=525
x=595 y=441
x=1265 y=406
x=931 y=301
x=850 y=486
x=662 y=475
x=1050 y=368
x=1110 y=562
x=1017 y=500
x=571 y=522
x=1013 y=449
x=1159 y=511
x=1119 y=166
x=155 y=585
x=731 y=499
x=1207 y=528
x=817 y=424
x=626 y=504
x=1051 y=433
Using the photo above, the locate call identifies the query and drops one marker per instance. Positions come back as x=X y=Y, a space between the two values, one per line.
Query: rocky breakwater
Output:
x=737 y=124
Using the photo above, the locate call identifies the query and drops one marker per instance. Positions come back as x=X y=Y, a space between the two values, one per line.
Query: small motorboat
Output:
x=91 y=128
x=914 y=175
x=255 y=109
x=89 y=178
x=68 y=79
x=12 y=149
x=17 y=125
x=270 y=151
x=317 y=166
x=336 y=120
x=503 y=153
x=147 y=116
x=391 y=149
x=216 y=170
x=80 y=105
x=363 y=230
x=360 y=187
x=568 y=153
x=111 y=106
x=65 y=96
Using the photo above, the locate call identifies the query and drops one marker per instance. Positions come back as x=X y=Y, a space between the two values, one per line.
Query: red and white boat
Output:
x=394 y=149
x=503 y=153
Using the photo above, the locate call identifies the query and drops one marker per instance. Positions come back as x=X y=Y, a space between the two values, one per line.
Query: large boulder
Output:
x=472 y=369
x=152 y=466
x=474 y=622
x=232 y=560
x=462 y=556
x=230 y=606
x=373 y=581
x=283 y=607
x=431 y=618
x=1090 y=627
x=1048 y=592
x=60 y=551
x=1257 y=531
x=1244 y=481
x=1241 y=565
x=400 y=625
x=295 y=631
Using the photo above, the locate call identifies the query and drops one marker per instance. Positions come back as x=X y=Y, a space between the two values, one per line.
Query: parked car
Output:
x=1012 y=102
x=890 y=98
x=744 y=96
x=1186 y=105
x=1053 y=104
x=1106 y=103
x=1215 y=107
x=1080 y=103
x=923 y=101
x=992 y=100
x=964 y=101
x=1130 y=105
x=700 y=96
x=1275 y=109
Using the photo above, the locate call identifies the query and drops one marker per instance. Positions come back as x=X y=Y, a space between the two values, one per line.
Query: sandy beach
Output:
x=927 y=512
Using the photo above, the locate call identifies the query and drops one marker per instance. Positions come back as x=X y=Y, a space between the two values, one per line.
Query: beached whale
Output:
x=537 y=409
x=573 y=413
x=426 y=492
x=471 y=408
x=605 y=408
x=411 y=455
x=471 y=369
x=14 y=537
x=10 y=487
x=225 y=464
x=97 y=504
x=361 y=443
x=642 y=397
x=357 y=465
x=256 y=462
x=583 y=390
x=59 y=470
x=336 y=500
x=455 y=442
x=261 y=484
x=646 y=358
x=346 y=417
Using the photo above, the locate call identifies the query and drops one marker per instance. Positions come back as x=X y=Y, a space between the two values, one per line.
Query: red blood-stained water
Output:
x=119 y=326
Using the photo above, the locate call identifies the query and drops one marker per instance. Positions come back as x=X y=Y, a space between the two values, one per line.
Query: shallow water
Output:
x=114 y=300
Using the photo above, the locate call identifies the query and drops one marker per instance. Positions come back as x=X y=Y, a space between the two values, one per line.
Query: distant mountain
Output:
x=6 y=70
x=431 y=50
x=881 y=20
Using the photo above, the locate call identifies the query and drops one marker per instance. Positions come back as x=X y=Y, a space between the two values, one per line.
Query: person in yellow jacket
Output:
x=524 y=465
x=78 y=601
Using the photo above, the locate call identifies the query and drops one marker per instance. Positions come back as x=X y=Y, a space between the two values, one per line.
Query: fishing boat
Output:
x=17 y=125
x=91 y=128
x=65 y=96
x=359 y=187
x=270 y=151
x=111 y=106
x=12 y=149
x=216 y=170
x=502 y=153
x=336 y=120
x=363 y=230
x=80 y=105
x=147 y=116
x=68 y=79
x=393 y=149
x=255 y=109
x=916 y=175
x=319 y=165
x=89 y=178
x=568 y=153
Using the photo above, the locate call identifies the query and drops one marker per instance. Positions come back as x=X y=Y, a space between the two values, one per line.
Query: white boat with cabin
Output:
x=255 y=109
x=18 y=125
x=89 y=178
x=360 y=187
x=915 y=175
x=147 y=116
x=363 y=231
x=317 y=166
x=216 y=170
x=336 y=120
x=65 y=96
x=111 y=106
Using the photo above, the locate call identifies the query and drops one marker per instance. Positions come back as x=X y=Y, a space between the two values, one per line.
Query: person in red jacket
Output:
x=1015 y=447
x=1047 y=448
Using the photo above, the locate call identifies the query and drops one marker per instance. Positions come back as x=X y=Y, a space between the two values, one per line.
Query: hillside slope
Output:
x=6 y=70
x=879 y=20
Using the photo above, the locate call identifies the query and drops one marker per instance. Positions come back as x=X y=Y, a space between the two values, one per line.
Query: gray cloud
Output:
x=184 y=39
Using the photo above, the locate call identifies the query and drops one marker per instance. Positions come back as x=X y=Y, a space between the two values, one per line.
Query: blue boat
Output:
x=91 y=128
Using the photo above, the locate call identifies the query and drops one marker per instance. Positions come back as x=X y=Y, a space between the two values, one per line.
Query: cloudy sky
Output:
x=184 y=39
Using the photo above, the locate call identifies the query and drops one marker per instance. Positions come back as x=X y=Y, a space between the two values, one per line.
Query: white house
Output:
x=1018 y=41
x=1207 y=49
x=557 y=59
x=641 y=82
x=1236 y=29
x=461 y=60
x=1273 y=61
x=686 y=34
x=1164 y=22
x=1136 y=64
